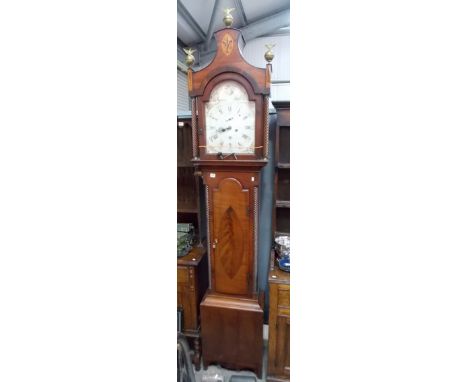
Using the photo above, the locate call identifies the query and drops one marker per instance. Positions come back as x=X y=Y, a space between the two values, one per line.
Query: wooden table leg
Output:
x=197 y=355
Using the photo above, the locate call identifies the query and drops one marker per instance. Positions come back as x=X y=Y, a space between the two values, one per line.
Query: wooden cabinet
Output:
x=192 y=269
x=278 y=281
x=190 y=201
x=230 y=147
x=192 y=282
x=282 y=202
x=278 y=339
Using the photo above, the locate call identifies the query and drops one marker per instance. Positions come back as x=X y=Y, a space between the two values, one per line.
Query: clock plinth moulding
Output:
x=230 y=108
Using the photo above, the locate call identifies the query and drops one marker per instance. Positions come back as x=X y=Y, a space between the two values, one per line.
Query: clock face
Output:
x=230 y=120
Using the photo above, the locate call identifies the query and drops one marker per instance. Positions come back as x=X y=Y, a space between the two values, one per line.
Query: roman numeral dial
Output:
x=230 y=120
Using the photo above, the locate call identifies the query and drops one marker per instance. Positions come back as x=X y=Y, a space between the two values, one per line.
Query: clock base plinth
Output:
x=232 y=332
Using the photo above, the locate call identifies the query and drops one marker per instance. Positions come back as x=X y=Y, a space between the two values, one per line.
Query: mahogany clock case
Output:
x=232 y=332
x=256 y=98
x=191 y=194
x=255 y=312
x=248 y=330
x=229 y=65
x=231 y=184
x=232 y=310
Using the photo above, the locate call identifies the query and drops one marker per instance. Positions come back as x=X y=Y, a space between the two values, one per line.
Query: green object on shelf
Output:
x=184 y=227
x=184 y=238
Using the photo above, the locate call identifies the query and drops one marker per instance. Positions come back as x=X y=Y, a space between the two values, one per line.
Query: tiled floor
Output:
x=213 y=369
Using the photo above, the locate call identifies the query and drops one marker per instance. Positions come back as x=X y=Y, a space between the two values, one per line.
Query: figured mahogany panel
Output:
x=231 y=240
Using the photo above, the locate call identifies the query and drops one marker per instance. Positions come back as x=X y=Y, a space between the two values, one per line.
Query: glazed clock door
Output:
x=230 y=120
x=231 y=233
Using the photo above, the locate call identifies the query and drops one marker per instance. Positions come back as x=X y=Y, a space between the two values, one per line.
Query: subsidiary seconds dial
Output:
x=230 y=120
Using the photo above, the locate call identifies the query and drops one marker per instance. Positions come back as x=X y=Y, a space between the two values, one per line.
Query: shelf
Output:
x=187 y=210
x=282 y=219
x=282 y=197
x=276 y=275
x=283 y=149
x=283 y=203
x=194 y=257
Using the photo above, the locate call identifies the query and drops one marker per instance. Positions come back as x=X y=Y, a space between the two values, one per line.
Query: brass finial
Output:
x=189 y=60
x=228 y=19
x=269 y=54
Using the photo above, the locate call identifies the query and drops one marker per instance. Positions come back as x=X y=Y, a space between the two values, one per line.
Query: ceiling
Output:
x=198 y=19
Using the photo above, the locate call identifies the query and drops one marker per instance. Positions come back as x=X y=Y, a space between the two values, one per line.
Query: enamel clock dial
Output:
x=230 y=120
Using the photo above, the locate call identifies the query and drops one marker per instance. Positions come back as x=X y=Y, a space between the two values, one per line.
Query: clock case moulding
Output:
x=232 y=309
x=229 y=64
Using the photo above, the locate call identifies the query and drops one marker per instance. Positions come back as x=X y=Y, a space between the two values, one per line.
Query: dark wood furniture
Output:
x=282 y=170
x=189 y=188
x=192 y=282
x=278 y=281
x=192 y=269
x=278 y=339
x=231 y=338
x=230 y=101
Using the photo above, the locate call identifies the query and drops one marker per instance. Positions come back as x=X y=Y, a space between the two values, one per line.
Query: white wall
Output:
x=183 y=102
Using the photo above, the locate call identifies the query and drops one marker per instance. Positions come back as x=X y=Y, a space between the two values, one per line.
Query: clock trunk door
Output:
x=231 y=233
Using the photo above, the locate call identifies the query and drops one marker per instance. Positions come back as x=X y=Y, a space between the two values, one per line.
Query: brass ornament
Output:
x=190 y=59
x=269 y=55
x=228 y=19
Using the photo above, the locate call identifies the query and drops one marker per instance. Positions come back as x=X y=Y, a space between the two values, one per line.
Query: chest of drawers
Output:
x=278 y=339
x=192 y=282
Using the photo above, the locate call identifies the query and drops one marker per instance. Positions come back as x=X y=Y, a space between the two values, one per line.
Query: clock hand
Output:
x=222 y=130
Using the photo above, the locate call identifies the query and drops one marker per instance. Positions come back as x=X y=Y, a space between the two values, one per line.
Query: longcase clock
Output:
x=230 y=147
